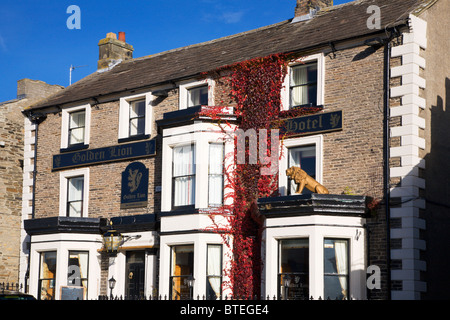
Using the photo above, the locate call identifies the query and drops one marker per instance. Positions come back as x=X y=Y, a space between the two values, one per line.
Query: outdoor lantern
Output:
x=112 y=283
x=112 y=240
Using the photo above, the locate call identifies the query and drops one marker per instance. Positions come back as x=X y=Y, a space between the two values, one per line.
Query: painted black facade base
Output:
x=139 y=223
x=313 y=204
x=63 y=225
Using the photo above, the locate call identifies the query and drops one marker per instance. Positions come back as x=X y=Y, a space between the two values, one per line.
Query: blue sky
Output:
x=36 y=43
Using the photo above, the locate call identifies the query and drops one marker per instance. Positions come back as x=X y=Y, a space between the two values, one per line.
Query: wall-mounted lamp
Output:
x=112 y=240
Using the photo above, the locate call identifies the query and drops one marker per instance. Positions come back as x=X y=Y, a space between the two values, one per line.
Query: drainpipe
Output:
x=35 y=118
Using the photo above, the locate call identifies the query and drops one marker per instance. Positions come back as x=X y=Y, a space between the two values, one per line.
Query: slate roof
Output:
x=335 y=23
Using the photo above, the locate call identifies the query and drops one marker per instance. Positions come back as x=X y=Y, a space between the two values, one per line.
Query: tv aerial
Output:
x=70 y=72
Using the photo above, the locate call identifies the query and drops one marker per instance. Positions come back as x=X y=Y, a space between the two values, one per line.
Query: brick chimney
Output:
x=112 y=51
x=304 y=6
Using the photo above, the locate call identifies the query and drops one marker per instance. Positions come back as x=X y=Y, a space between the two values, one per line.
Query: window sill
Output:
x=75 y=147
x=135 y=138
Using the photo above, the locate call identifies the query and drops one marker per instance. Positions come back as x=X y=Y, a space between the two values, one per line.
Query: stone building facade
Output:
x=142 y=113
x=12 y=140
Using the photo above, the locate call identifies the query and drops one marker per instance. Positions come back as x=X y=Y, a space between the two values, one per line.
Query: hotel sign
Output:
x=312 y=124
x=134 y=186
x=103 y=155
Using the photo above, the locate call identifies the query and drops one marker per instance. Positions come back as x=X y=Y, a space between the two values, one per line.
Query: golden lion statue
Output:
x=302 y=179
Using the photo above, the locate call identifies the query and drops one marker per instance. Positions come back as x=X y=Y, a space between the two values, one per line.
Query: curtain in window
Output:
x=76 y=127
x=75 y=196
x=340 y=248
x=215 y=174
x=47 y=275
x=299 y=93
x=137 y=118
x=184 y=175
x=198 y=96
x=215 y=268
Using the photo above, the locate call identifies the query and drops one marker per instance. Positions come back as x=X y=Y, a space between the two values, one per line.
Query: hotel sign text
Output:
x=312 y=124
x=102 y=155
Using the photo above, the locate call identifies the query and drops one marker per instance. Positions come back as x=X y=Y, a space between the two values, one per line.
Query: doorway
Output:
x=135 y=274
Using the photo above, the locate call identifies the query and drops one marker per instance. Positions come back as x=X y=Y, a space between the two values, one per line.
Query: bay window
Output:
x=184 y=175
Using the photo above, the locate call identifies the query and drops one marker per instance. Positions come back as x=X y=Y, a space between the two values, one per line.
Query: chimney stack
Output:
x=305 y=6
x=112 y=51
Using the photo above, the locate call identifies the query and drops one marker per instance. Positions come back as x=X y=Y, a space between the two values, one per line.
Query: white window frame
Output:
x=185 y=86
x=63 y=185
x=124 y=114
x=65 y=116
x=200 y=135
x=317 y=228
x=316 y=140
x=285 y=91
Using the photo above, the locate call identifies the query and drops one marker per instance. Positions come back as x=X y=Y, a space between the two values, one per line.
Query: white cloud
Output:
x=232 y=17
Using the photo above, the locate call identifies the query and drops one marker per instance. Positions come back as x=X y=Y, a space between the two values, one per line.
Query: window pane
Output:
x=137 y=109
x=182 y=268
x=215 y=191
x=76 y=189
x=77 y=119
x=294 y=269
x=303 y=84
x=336 y=268
x=214 y=272
x=78 y=269
x=137 y=126
x=137 y=118
x=76 y=136
x=198 y=96
x=47 y=275
x=305 y=158
x=184 y=175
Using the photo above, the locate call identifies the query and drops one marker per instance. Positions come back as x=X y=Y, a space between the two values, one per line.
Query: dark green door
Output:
x=135 y=274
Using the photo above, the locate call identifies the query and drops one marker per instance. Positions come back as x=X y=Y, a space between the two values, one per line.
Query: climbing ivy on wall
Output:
x=255 y=86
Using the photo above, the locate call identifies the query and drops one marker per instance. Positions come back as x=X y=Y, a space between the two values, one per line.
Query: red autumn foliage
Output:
x=255 y=87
